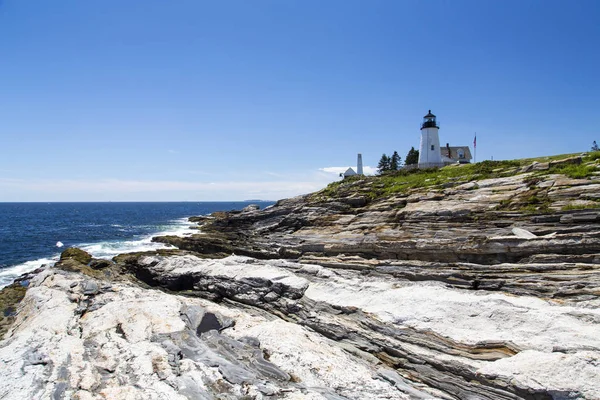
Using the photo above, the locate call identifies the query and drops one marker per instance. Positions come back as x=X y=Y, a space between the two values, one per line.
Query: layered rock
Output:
x=251 y=328
x=462 y=235
x=455 y=342
x=459 y=289
x=82 y=338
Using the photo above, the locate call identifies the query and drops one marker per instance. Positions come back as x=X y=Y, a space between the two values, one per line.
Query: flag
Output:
x=475 y=142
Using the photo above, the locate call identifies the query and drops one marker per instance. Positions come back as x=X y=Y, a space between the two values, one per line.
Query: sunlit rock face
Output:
x=466 y=343
x=264 y=328
x=127 y=342
x=467 y=290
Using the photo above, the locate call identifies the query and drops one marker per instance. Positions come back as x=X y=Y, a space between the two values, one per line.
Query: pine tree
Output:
x=395 y=161
x=412 y=157
x=595 y=146
x=384 y=164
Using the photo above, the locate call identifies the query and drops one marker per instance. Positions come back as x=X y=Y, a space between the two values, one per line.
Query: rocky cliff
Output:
x=471 y=282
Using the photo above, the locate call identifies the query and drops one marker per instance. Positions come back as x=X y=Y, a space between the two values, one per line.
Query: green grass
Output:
x=542 y=208
x=592 y=156
x=534 y=200
x=580 y=171
x=585 y=169
x=527 y=161
x=571 y=207
x=333 y=188
x=403 y=181
x=399 y=182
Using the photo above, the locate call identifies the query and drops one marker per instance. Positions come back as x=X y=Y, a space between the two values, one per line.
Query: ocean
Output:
x=34 y=234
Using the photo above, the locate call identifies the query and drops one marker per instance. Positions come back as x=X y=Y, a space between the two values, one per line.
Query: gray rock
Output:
x=251 y=207
x=90 y=288
x=100 y=264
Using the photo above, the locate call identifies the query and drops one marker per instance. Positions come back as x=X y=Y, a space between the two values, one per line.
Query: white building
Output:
x=349 y=172
x=359 y=168
x=429 y=152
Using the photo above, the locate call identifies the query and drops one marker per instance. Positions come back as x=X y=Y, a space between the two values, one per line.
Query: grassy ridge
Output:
x=402 y=181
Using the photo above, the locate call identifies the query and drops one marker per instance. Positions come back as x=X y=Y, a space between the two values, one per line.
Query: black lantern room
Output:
x=429 y=121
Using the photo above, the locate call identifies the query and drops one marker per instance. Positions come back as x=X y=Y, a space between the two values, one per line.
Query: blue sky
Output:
x=230 y=100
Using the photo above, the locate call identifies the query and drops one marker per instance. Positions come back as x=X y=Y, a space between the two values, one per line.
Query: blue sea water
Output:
x=30 y=232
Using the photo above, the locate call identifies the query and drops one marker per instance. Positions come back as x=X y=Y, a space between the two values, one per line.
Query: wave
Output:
x=109 y=249
x=104 y=249
x=8 y=275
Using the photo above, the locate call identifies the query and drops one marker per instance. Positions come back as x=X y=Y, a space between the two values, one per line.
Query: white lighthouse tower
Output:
x=429 y=153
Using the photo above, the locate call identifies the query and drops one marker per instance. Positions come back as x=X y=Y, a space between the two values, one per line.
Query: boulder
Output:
x=73 y=253
x=566 y=161
x=251 y=207
x=100 y=264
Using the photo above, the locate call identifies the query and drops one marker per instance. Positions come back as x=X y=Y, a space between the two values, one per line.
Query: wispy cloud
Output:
x=275 y=174
x=269 y=185
x=194 y=172
x=338 y=170
x=115 y=189
x=173 y=151
x=144 y=186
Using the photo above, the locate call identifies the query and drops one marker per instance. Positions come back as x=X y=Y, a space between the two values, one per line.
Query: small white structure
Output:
x=429 y=152
x=359 y=167
x=349 y=172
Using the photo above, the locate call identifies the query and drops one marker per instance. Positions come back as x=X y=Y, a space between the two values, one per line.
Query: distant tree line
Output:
x=394 y=163
x=389 y=163
x=412 y=157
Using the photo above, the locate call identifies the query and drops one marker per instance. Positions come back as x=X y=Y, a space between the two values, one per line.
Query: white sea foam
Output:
x=107 y=250
x=9 y=274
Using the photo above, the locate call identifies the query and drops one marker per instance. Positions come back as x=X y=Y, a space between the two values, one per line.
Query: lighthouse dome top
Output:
x=429 y=121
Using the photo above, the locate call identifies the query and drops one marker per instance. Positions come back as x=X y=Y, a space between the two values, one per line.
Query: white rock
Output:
x=111 y=353
x=523 y=234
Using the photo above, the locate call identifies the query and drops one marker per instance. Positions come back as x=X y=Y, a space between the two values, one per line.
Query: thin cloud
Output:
x=340 y=170
x=142 y=186
x=274 y=174
x=195 y=172
x=157 y=190
x=269 y=185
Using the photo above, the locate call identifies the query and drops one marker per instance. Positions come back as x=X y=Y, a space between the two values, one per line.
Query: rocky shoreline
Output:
x=469 y=289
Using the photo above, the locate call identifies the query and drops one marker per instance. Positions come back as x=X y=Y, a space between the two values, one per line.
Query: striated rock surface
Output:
x=457 y=343
x=120 y=341
x=482 y=284
x=475 y=235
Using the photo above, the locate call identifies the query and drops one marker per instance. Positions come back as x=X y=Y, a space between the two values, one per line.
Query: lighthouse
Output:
x=429 y=153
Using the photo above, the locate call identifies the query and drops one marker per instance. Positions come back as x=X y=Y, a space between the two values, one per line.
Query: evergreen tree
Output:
x=395 y=161
x=412 y=157
x=384 y=164
x=595 y=146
